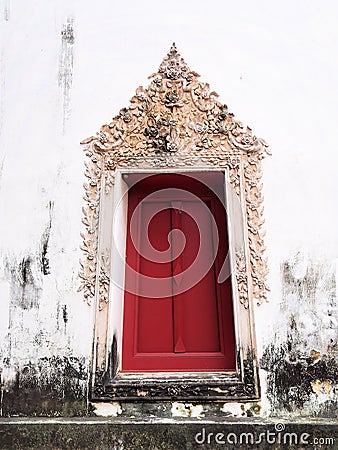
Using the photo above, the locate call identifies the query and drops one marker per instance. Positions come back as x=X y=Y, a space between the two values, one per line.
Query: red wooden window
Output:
x=177 y=316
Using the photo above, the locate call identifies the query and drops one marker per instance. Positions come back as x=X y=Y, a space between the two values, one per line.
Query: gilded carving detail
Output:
x=176 y=122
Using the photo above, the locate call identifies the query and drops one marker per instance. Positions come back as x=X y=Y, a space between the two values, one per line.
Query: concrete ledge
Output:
x=155 y=434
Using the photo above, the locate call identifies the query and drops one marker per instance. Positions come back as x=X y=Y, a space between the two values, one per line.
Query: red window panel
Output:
x=177 y=317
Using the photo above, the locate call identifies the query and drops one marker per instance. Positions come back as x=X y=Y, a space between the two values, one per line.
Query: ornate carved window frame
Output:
x=176 y=124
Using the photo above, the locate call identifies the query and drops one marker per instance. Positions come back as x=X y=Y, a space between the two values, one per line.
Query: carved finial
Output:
x=173 y=65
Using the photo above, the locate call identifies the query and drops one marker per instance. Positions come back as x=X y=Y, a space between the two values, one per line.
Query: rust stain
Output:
x=316 y=386
x=327 y=386
x=321 y=387
x=316 y=356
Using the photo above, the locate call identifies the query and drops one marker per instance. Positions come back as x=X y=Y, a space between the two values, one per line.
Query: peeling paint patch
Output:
x=186 y=410
x=107 y=409
x=241 y=409
x=66 y=65
x=232 y=409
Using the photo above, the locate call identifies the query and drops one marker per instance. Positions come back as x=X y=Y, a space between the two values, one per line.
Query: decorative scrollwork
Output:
x=104 y=280
x=242 y=278
x=173 y=66
x=90 y=220
x=192 y=389
x=176 y=122
x=255 y=221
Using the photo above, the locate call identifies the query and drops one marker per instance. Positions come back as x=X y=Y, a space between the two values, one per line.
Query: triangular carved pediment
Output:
x=175 y=114
x=175 y=122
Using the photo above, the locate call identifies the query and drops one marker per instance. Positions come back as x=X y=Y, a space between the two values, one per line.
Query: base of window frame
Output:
x=109 y=383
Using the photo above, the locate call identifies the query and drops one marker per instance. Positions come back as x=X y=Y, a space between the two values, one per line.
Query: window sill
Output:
x=191 y=386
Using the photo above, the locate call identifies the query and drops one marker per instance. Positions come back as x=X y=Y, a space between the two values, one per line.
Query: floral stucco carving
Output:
x=241 y=278
x=176 y=122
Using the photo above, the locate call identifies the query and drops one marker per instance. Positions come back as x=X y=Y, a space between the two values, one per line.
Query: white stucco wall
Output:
x=273 y=65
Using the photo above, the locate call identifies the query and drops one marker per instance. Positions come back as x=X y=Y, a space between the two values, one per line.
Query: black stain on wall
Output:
x=305 y=286
x=66 y=65
x=113 y=359
x=25 y=290
x=291 y=377
x=296 y=376
x=6 y=10
x=65 y=314
x=45 y=242
x=51 y=387
x=25 y=274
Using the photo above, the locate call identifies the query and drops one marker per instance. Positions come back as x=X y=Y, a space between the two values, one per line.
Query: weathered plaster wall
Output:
x=301 y=360
x=69 y=66
x=45 y=327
